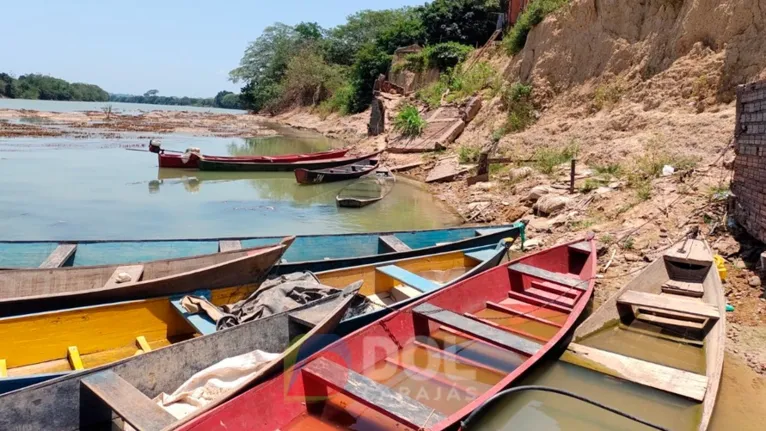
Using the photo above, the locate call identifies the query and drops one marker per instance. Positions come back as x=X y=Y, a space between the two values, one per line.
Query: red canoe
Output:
x=177 y=160
x=430 y=364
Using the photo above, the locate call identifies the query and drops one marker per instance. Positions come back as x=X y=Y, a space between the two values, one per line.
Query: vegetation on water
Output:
x=408 y=121
x=534 y=14
x=42 y=87
x=351 y=56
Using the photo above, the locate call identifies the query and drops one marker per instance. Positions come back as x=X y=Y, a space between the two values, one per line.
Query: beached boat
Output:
x=340 y=173
x=308 y=253
x=216 y=165
x=106 y=333
x=431 y=363
x=367 y=190
x=44 y=289
x=191 y=160
x=86 y=398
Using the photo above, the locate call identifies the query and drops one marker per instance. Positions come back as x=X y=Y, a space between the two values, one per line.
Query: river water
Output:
x=67 y=188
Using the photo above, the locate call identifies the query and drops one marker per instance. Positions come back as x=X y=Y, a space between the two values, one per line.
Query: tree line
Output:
x=335 y=68
x=224 y=99
x=43 y=87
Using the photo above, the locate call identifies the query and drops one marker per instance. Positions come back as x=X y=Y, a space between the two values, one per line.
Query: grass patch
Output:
x=408 y=121
x=534 y=14
x=628 y=244
x=608 y=169
x=338 y=102
x=643 y=190
x=591 y=184
x=607 y=239
x=460 y=84
x=468 y=154
x=517 y=100
x=648 y=166
x=608 y=94
x=546 y=159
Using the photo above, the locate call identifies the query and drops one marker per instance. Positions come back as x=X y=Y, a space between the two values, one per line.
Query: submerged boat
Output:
x=44 y=289
x=237 y=166
x=431 y=363
x=367 y=190
x=86 y=399
x=45 y=345
x=340 y=173
x=308 y=253
x=190 y=160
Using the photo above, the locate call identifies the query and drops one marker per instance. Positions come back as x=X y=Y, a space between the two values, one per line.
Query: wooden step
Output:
x=201 y=322
x=322 y=373
x=477 y=329
x=557 y=289
x=59 y=256
x=669 y=303
x=544 y=274
x=225 y=245
x=667 y=321
x=482 y=255
x=390 y=243
x=408 y=278
x=505 y=309
x=668 y=379
x=538 y=302
x=685 y=288
x=580 y=247
x=554 y=298
x=132 y=405
x=134 y=272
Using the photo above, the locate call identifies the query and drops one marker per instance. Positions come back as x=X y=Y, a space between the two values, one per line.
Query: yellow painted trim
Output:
x=143 y=344
x=3 y=368
x=74 y=358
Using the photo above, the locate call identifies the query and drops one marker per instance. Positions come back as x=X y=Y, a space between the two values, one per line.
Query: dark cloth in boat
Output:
x=273 y=296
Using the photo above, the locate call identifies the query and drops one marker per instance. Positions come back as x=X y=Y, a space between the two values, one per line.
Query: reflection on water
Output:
x=278 y=145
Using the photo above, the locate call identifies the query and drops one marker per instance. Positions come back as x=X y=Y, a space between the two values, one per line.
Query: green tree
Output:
x=151 y=93
x=344 y=41
x=309 y=31
x=469 y=22
x=230 y=101
x=219 y=97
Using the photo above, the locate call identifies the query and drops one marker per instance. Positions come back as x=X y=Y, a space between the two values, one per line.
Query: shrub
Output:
x=609 y=169
x=534 y=14
x=517 y=100
x=546 y=159
x=370 y=62
x=408 y=121
x=431 y=94
x=608 y=94
x=446 y=55
x=339 y=101
x=468 y=154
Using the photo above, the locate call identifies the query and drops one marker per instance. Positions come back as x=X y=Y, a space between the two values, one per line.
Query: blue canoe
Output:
x=308 y=253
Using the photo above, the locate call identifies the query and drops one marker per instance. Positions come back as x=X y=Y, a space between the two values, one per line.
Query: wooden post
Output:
x=572 y=176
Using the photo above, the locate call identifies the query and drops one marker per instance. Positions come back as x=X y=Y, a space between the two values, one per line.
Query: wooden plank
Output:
x=503 y=308
x=482 y=255
x=3 y=368
x=201 y=322
x=668 y=379
x=59 y=256
x=374 y=395
x=477 y=329
x=695 y=290
x=393 y=243
x=556 y=288
x=229 y=245
x=539 y=302
x=73 y=355
x=446 y=170
x=143 y=344
x=666 y=321
x=669 y=303
x=690 y=251
x=408 y=278
x=554 y=298
x=134 y=272
x=402 y=168
x=402 y=292
x=582 y=247
x=128 y=402
x=544 y=274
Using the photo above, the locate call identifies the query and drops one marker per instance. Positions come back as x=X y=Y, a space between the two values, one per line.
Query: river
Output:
x=67 y=188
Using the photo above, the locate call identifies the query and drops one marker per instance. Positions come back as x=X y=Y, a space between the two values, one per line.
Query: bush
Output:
x=534 y=14
x=468 y=154
x=546 y=159
x=517 y=100
x=446 y=55
x=309 y=80
x=431 y=94
x=606 y=95
x=370 y=62
x=339 y=102
x=408 y=121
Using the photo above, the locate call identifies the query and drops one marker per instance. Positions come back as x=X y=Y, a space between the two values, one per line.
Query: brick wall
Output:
x=749 y=184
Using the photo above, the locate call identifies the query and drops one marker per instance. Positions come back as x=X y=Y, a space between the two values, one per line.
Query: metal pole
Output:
x=572 y=176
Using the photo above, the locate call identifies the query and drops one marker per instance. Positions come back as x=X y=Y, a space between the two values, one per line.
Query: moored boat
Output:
x=340 y=173
x=190 y=160
x=367 y=190
x=431 y=363
x=206 y=164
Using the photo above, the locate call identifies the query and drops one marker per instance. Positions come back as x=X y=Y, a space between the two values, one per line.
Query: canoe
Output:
x=214 y=165
x=367 y=190
x=191 y=161
x=105 y=333
x=431 y=363
x=308 y=253
x=63 y=403
x=341 y=173
x=44 y=289
x=678 y=302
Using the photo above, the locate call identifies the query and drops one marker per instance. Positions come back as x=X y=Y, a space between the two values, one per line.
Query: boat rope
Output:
x=466 y=424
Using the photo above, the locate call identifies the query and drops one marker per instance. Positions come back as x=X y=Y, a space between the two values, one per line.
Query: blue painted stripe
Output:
x=408 y=278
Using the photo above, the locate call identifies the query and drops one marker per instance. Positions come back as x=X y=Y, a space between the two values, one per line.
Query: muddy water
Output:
x=64 y=188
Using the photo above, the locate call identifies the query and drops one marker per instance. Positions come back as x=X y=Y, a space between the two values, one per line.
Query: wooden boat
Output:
x=44 y=289
x=79 y=400
x=367 y=190
x=308 y=253
x=105 y=333
x=191 y=160
x=341 y=173
x=215 y=165
x=678 y=301
x=431 y=363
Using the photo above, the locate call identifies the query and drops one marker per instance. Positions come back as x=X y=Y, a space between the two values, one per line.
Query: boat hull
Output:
x=213 y=165
x=167 y=160
x=342 y=173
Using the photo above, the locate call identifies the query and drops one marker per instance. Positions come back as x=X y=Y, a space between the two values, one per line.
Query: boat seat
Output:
x=391 y=243
x=59 y=256
x=201 y=322
x=556 y=288
x=119 y=396
x=669 y=303
x=133 y=271
x=695 y=290
x=402 y=292
x=477 y=329
x=323 y=373
x=490 y=231
x=229 y=245
x=538 y=302
x=544 y=274
x=555 y=298
x=408 y=278
x=691 y=252
x=482 y=255
x=672 y=380
x=580 y=247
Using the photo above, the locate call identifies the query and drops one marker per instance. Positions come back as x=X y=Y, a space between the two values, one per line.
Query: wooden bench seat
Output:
x=60 y=255
x=581 y=247
x=201 y=322
x=370 y=393
x=669 y=303
x=225 y=245
x=695 y=290
x=544 y=274
x=391 y=243
x=482 y=255
x=408 y=278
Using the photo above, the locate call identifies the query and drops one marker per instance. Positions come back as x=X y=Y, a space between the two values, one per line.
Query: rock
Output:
x=481 y=204
x=539 y=191
x=632 y=257
x=559 y=220
x=550 y=204
x=483 y=186
x=754 y=281
x=471 y=108
x=739 y=264
x=377 y=123
x=516 y=174
x=602 y=190
x=532 y=244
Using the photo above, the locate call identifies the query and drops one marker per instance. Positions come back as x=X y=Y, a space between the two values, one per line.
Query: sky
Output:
x=179 y=47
